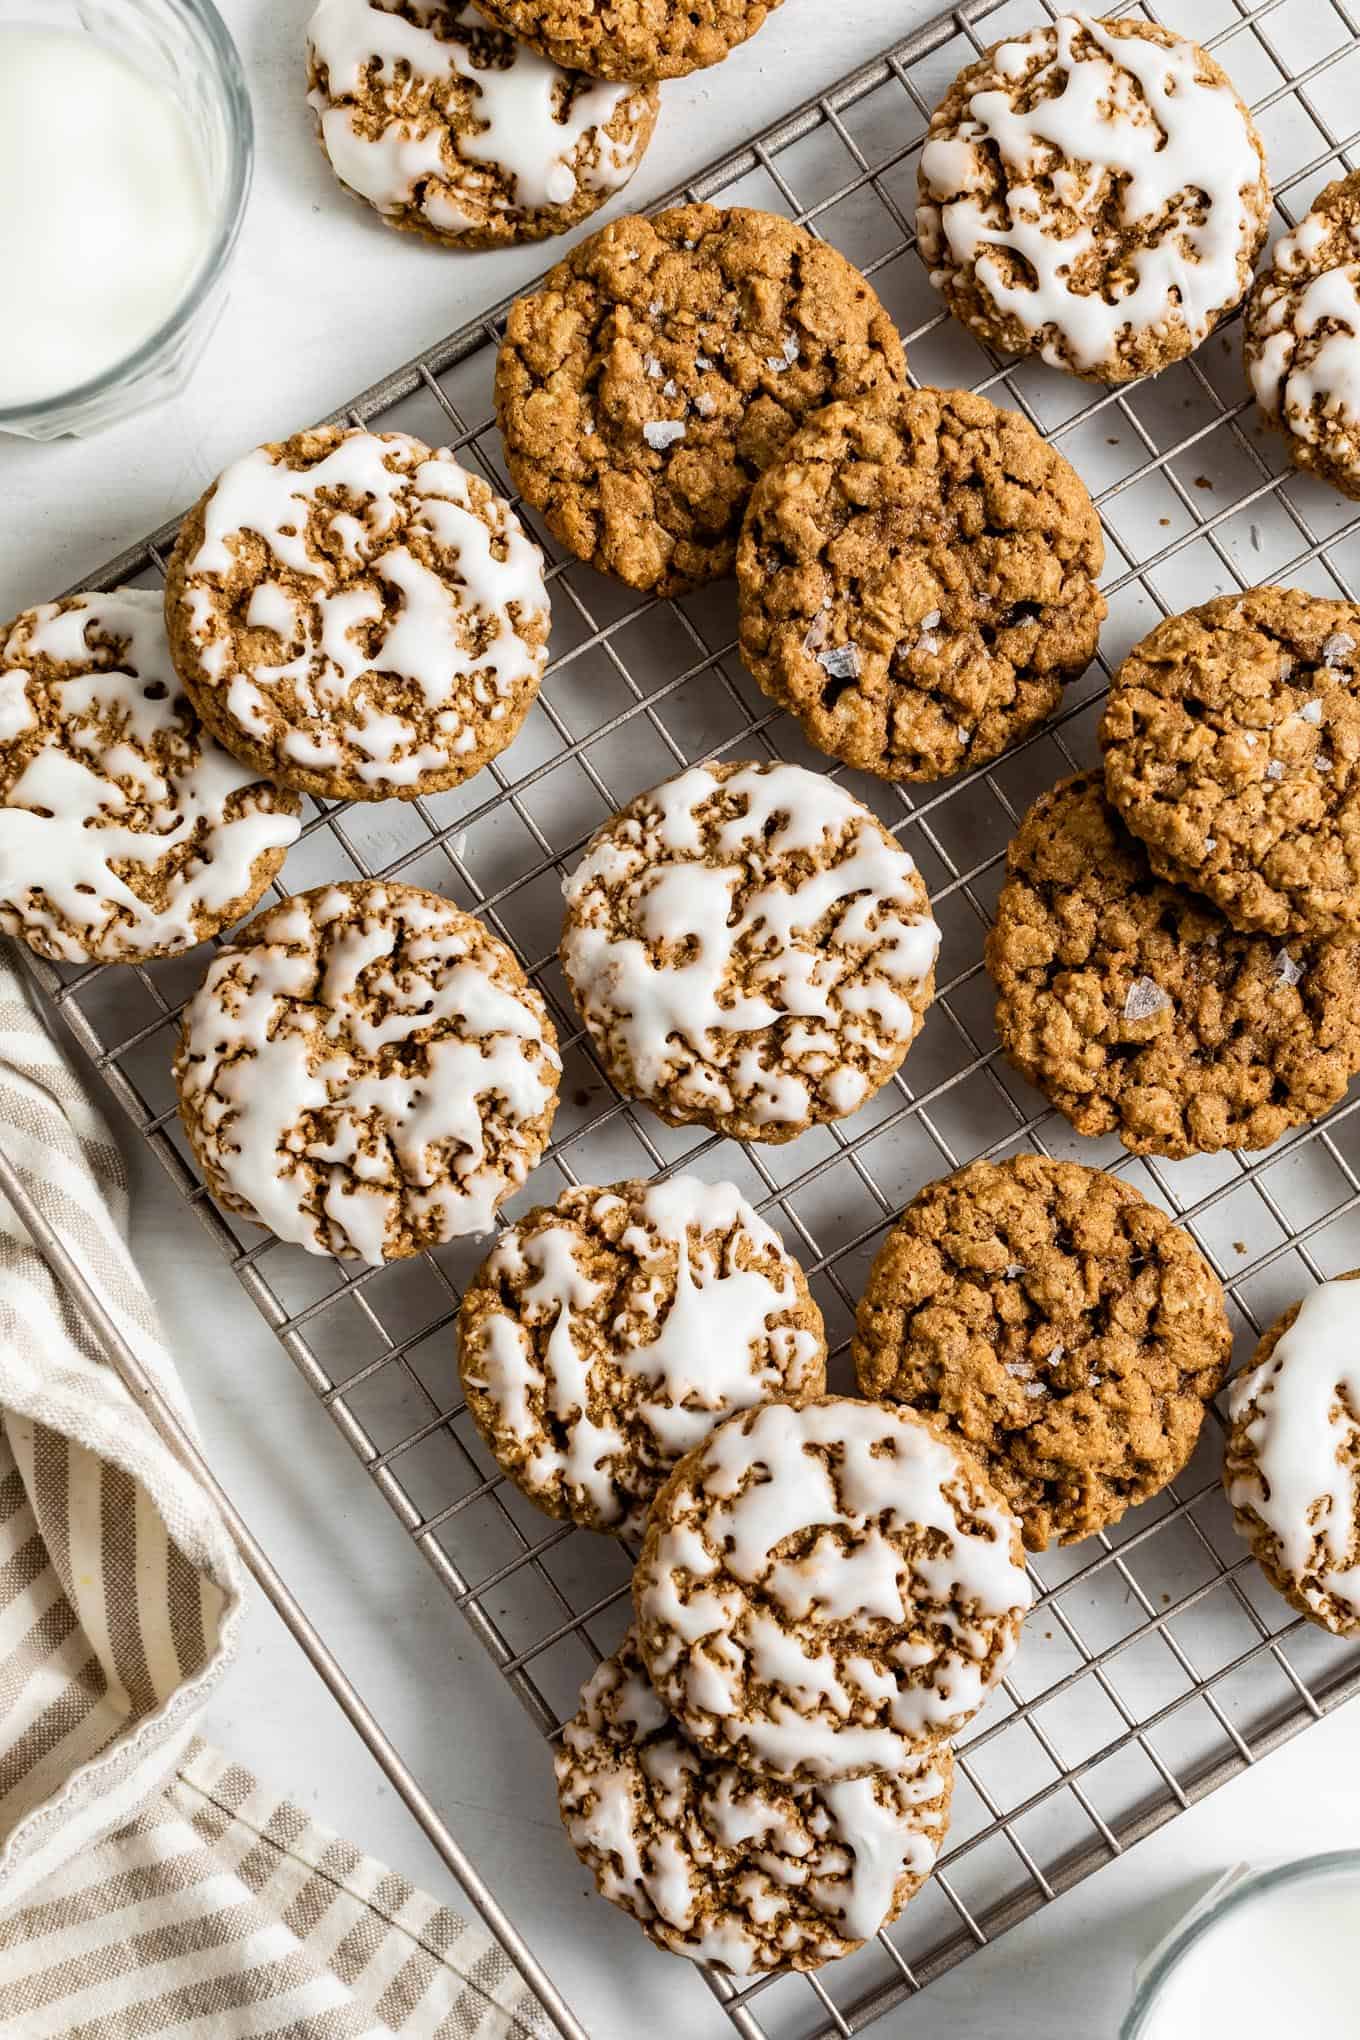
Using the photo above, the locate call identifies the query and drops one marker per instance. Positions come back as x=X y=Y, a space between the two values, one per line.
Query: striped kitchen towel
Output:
x=149 y=1888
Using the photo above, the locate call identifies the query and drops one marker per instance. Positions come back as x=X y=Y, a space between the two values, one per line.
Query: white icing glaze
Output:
x=1308 y=349
x=65 y=821
x=672 y=1011
x=519 y=103
x=1303 y=1438
x=1134 y=111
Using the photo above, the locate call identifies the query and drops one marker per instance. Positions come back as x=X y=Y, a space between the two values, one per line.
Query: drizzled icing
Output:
x=1296 y=1438
x=600 y=1385
x=727 y=1867
x=1129 y=116
x=343 y=631
x=730 y=984
x=1303 y=356
x=796 y=1524
x=361 y=1072
x=542 y=127
x=107 y=767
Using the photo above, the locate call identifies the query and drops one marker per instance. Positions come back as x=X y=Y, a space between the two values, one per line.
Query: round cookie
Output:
x=625 y=39
x=727 y=1867
x=1059 y=1325
x=1301 y=337
x=1093 y=192
x=663 y=366
x=366 y=1071
x=827 y=1589
x=605 y=1336
x=450 y=129
x=917 y=580
x=1232 y=748
x=1292 y=1470
x=357 y=615
x=125 y=831
x=749 y=949
x=1138 y=1010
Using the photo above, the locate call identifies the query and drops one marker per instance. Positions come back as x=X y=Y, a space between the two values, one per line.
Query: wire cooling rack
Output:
x=1157 y=1665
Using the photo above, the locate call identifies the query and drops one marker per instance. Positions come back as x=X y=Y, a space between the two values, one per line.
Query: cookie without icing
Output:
x=606 y=1335
x=827 y=1589
x=630 y=38
x=450 y=129
x=1292 y=1469
x=357 y=615
x=1301 y=337
x=663 y=366
x=750 y=949
x=1093 y=192
x=1063 y=1329
x=727 y=1867
x=1232 y=748
x=366 y=1071
x=917 y=579
x=125 y=831
x=1138 y=1010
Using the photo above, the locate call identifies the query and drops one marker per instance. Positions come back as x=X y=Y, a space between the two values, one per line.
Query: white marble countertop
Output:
x=324 y=301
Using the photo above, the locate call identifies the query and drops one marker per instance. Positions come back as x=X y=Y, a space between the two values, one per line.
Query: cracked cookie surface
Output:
x=605 y=1336
x=917 y=579
x=367 y=1072
x=1301 y=337
x=1062 y=1328
x=631 y=38
x=663 y=366
x=1138 y=1010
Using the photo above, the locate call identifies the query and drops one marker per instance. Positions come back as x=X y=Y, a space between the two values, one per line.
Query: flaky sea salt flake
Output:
x=786 y=358
x=839 y=662
x=1144 y=998
x=663 y=432
x=652 y=366
x=1339 y=646
x=1285 y=968
x=1311 y=711
x=1275 y=769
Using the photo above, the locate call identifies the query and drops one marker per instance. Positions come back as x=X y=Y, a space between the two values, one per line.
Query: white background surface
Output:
x=324 y=301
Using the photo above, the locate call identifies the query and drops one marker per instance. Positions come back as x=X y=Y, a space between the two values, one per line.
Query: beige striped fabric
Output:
x=149 y=1888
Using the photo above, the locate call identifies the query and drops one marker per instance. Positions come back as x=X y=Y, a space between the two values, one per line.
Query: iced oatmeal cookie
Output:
x=607 y=1334
x=125 y=831
x=1093 y=192
x=357 y=615
x=827 y=1589
x=1292 y=1471
x=917 y=580
x=1138 y=1010
x=749 y=949
x=450 y=129
x=630 y=38
x=1062 y=1328
x=722 y=1865
x=663 y=366
x=1232 y=748
x=366 y=1071
x=1301 y=337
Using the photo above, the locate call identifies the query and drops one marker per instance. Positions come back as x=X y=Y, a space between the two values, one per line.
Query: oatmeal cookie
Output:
x=749 y=949
x=827 y=1589
x=1301 y=337
x=1292 y=1470
x=1232 y=748
x=125 y=831
x=1137 y=1009
x=1093 y=192
x=357 y=615
x=722 y=1865
x=450 y=129
x=366 y=1071
x=1059 y=1325
x=663 y=366
x=625 y=39
x=917 y=581
x=607 y=1334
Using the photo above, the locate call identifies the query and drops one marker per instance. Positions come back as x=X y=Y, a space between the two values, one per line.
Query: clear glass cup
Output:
x=183 y=45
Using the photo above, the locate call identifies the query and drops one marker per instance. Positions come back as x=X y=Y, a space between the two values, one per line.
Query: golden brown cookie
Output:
x=1232 y=748
x=1301 y=337
x=917 y=579
x=663 y=366
x=1060 y=1326
x=630 y=38
x=1093 y=192
x=1138 y=1010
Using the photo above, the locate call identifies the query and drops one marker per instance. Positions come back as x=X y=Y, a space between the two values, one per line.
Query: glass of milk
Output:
x=125 y=157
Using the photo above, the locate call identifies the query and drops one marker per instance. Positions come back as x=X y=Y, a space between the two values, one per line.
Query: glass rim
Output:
x=230 y=213
x=1254 y=1885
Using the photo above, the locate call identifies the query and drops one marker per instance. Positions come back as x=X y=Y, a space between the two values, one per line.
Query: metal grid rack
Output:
x=1157 y=1664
